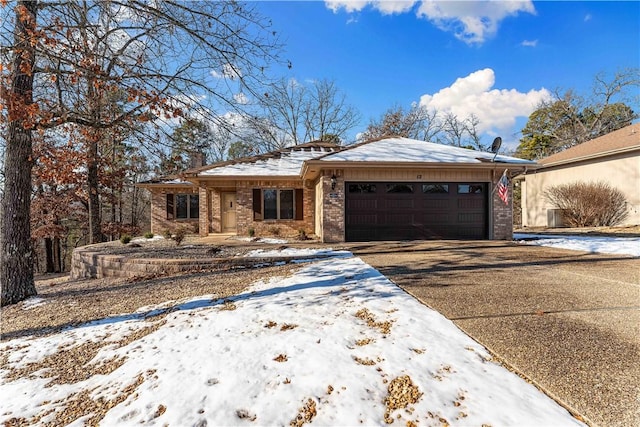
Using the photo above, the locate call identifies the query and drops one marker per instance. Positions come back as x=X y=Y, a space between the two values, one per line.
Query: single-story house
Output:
x=613 y=158
x=387 y=189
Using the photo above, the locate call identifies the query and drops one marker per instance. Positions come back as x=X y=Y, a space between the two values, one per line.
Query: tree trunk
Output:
x=52 y=250
x=48 y=251
x=57 y=259
x=16 y=256
x=95 y=233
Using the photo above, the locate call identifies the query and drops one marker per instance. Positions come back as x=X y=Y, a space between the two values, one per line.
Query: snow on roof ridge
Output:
x=321 y=146
x=415 y=151
x=286 y=162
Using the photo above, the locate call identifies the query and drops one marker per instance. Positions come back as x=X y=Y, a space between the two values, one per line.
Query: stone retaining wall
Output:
x=91 y=264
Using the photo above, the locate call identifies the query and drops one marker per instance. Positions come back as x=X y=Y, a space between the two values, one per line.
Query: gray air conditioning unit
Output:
x=554 y=218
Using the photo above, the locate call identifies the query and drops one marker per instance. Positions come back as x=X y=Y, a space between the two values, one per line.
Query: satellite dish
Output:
x=496 y=145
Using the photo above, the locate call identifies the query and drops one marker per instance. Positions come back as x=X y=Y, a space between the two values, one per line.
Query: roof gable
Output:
x=625 y=139
x=405 y=150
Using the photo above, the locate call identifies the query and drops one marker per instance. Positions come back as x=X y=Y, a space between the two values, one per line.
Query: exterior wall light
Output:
x=334 y=181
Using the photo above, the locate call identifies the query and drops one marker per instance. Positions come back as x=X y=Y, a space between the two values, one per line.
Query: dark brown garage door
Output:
x=415 y=210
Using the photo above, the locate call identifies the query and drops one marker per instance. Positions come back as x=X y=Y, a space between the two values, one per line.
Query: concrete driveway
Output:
x=568 y=321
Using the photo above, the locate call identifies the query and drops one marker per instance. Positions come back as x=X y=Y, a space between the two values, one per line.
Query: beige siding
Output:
x=622 y=172
x=417 y=175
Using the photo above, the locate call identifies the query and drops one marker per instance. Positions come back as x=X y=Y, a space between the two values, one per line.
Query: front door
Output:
x=228 y=212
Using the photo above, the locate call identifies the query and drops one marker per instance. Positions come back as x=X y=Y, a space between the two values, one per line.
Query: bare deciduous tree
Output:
x=292 y=113
x=417 y=123
x=67 y=60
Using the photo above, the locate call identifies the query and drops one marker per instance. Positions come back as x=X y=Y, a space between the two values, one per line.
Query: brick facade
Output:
x=204 y=220
x=501 y=215
x=285 y=228
x=319 y=199
x=159 y=221
x=333 y=207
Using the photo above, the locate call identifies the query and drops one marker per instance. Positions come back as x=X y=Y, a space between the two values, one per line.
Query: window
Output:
x=362 y=188
x=183 y=206
x=435 y=188
x=470 y=188
x=274 y=204
x=399 y=188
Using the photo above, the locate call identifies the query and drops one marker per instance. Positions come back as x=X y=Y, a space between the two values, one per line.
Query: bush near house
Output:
x=588 y=204
x=179 y=234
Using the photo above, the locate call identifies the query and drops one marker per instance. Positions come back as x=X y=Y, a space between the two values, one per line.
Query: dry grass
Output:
x=367 y=316
x=68 y=303
x=72 y=302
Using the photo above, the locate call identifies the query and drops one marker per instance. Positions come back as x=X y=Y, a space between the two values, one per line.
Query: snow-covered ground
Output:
x=335 y=344
x=605 y=245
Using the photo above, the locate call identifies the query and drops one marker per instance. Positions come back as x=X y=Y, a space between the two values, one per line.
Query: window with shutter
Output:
x=170 y=207
x=257 y=204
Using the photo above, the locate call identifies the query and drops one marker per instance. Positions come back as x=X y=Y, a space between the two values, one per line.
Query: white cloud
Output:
x=497 y=109
x=347 y=5
x=241 y=98
x=352 y=20
x=530 y=43
x=386 y=7
x=229 y=71
x=470 y=21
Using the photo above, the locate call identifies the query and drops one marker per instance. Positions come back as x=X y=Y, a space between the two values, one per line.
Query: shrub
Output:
x=167 y=233
x=179 y=235
x=302 y=235
x=588 y=204
x=125 y=238
x=274 y=231
x=252 y=232
x=148 y=235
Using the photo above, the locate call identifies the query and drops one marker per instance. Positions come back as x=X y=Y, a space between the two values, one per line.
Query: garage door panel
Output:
x=435 y=218
x=392 y=204
x=473 y=218
x=471 y=203
x=396 y=219
x=435 y=204
x=362 y=219
x=428 y=211
x=362 y=204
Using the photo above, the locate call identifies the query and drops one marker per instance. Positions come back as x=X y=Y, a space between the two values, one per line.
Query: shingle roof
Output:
x=285 y=162
x=405 y=150
x=625 y=139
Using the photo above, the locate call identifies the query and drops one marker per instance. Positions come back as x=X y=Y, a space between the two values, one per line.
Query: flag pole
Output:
x=495 y=186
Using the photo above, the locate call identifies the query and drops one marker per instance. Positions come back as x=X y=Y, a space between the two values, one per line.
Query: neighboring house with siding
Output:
x=613 y=158
x=386 y=189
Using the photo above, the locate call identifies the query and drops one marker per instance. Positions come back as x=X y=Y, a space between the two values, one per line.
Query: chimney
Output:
x=197 y=159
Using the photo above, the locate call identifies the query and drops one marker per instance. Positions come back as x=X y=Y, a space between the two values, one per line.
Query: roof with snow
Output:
x=621 y=140
x=167 y=181
x=405 y=150
x=286 y=162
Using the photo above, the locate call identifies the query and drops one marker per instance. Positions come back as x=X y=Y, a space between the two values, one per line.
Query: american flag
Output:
x=503 y=188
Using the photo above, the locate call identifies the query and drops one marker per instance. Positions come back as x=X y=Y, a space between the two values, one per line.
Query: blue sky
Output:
x=496 y=59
